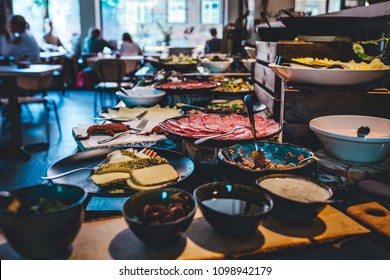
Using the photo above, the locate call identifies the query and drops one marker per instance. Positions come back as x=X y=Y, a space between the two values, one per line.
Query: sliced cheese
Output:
x=119 y=158
x=110 y=180
x=137 y=187
x=158 y=174
x=127 y=166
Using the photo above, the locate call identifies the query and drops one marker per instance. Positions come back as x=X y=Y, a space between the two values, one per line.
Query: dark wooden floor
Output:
x=74 y=108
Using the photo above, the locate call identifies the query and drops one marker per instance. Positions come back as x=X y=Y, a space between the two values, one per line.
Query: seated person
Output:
x=94 y=44
x=128 y=46
x=213 y=45
x=4 y=38
x=23 y=46
x=49 y=37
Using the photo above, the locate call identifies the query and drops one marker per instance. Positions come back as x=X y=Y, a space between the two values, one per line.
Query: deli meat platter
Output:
x=193 y=127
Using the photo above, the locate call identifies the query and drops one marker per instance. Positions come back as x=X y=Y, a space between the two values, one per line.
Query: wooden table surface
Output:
x=112 y=239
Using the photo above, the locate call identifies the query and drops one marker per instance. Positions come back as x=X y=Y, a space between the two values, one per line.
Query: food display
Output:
x=187 y=85
x=233 y=85
x=179 y=59
x=375 y=64
x=137 y=170
x=199 y=126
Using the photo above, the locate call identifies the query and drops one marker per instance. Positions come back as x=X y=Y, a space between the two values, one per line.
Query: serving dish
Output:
x=183 y=165
x=159 y=217
x=338 y=134
x=296 y=198
x=232 y=88
x=169 y=64
x=328 y=77
x=141 y=96
x=233 y=209
x=217 y=66
x=47 y=222
x=221 y=106
x=284 y=158
x=194 y=127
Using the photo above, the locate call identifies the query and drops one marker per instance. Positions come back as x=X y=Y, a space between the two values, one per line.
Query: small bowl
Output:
x=217 y=66
x=161 y=234
x=278 y=153
x=44 y=236
x=234 y=210
x=338 y=134
x=293 y=206
x=146 y=97
x=248 y=63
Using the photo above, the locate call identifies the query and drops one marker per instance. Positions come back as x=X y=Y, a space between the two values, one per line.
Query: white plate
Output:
x=327 y=77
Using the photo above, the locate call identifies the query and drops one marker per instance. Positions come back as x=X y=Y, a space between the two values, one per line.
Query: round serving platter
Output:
x=182 y=164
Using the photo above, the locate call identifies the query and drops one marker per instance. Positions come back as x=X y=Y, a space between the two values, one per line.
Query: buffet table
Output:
x=112 y=239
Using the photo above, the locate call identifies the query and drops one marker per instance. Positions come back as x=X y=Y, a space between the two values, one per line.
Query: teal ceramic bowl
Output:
x=278 y=153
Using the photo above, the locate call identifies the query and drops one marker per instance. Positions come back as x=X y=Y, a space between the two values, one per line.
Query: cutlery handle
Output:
x=113 y=137
x=204 y=139
x=66 y=173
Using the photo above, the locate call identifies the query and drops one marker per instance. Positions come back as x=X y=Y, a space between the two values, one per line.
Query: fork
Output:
x=78 y=169
x=135 y=130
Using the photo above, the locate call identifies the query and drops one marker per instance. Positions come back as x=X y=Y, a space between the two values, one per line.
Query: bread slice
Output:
x=110 y=180
x=155 y=175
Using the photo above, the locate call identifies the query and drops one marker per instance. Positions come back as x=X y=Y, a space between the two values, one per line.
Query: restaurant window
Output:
x=34 y=13
x=176 y=11
x=211 y=11
x=65 y=15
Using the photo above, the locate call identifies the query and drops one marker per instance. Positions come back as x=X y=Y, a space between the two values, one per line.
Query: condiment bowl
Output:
x=297 y=198
x=233 y=210
x=44 y=235
x=338 y=134
x=147 y=214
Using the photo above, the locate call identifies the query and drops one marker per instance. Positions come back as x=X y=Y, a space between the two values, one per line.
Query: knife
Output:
x=125 y=119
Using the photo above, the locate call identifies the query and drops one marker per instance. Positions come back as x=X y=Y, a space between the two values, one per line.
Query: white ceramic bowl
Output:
x=328 y=77
x=217 y=66
x=338 y=134
x=141 y=97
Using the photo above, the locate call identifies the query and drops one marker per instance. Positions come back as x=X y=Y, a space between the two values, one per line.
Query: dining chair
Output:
x=111 y=73
x=34 y=84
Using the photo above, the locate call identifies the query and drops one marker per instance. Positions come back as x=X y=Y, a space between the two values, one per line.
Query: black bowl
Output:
x=295 y=209
x=162 y=234
x=234 y=210
x=44 y=236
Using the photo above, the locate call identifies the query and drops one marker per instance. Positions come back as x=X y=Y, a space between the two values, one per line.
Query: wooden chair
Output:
x=111 y=73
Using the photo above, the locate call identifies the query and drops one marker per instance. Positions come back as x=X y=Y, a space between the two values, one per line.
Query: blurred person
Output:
x=213 y=45
x=5 y=37
x=23 y=45
x=128 y=46
x=49 y=37
x=94 y=44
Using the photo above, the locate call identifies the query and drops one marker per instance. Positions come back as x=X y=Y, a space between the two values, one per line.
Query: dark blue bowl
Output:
x=234 y=210
x=162 y=234
x=278 y=153
x=44 y=236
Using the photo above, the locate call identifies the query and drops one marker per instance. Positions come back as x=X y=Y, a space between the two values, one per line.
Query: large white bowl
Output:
x=217 y=66
x=141 y=97
x=338 y=134
x=327 y=77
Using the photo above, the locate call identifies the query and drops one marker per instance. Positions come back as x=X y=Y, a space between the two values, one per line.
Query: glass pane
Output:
x=211 y=11
x=65 y=15
x=177 y=11
x=312 y=7
x=33 y=11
